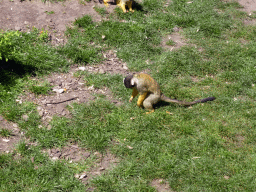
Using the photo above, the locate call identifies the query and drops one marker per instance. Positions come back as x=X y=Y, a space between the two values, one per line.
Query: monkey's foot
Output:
x=129 y=4
x=150 y=111
x=139 y=105
x=122 y=7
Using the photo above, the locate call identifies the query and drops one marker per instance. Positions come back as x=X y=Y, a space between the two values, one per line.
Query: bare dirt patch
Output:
x=74 y=153
x=53 y=17
x=7 y=144
x=176 y=38
x=249 y=6
x=104 y=163
x=160 y=185
x=68 y=89
x=112 y=65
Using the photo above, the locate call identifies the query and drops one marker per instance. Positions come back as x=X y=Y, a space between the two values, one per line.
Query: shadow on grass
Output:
x=12 y=70
x=163 y=104
x=137 y=6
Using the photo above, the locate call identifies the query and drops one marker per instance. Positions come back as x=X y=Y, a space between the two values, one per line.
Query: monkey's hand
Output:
x=130 y=100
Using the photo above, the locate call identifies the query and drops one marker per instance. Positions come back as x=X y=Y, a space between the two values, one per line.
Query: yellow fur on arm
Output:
x=122 y=5
x=141 y=99
x=134 y=94
x=106 y=2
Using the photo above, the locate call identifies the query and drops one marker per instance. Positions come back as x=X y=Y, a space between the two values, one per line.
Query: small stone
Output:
x=48 y=118
x=129 y=147
x=49 y=127
x=17 y=28
x=55 y=158
x=81 y=68
x=101 y=71
x=25 y=117
x=91 y=87
x=82 y=176
x=39 y=108
x=6 y=140
x=102 y=168
x=15 y=125
x=58 y=90
x=125 y=67
x=18 y=101
x=77 y=176
x=41 y=113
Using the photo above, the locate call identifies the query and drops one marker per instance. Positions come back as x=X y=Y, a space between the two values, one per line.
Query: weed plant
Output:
x=5 y=132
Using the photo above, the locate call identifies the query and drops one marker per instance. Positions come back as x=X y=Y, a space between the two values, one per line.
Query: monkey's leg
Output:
x=122 y=5
x=150 y=101
x=134 y=94
x=141 y=98
x=106 y=2
x=129 y=4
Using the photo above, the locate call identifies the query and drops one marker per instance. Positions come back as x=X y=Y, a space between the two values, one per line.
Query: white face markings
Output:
x=132 y=82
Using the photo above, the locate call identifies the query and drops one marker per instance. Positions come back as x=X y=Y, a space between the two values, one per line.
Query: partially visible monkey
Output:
x=150 y=93
x=122 y=3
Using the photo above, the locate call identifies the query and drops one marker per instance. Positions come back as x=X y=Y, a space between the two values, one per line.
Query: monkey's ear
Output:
x=128 y=81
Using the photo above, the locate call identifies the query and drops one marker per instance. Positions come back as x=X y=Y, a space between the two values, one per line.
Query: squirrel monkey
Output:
x=122 y=3
x=150 y=93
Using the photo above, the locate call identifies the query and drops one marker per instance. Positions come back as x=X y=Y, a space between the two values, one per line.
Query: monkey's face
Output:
x=128 y=83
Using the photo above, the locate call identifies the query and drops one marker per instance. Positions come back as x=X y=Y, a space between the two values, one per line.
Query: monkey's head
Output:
x=128 y=82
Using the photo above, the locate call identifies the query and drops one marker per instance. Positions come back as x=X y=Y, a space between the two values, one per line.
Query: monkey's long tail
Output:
x=167 y=99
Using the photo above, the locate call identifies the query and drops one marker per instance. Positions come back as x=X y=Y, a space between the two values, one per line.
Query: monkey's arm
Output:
x=106 y=2
x=122 y=5
x=141 y=98
x=134 y=94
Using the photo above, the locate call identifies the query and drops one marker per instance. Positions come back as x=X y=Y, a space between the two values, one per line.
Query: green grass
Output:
x=100 y=11
x=5 y=132
x=49 y=12
x=23 y=174
x=40 y=88
x=207 y=147
x=170 y=43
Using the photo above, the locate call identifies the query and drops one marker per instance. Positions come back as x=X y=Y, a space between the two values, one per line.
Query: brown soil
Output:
x=161 y=185
x=249 y=6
